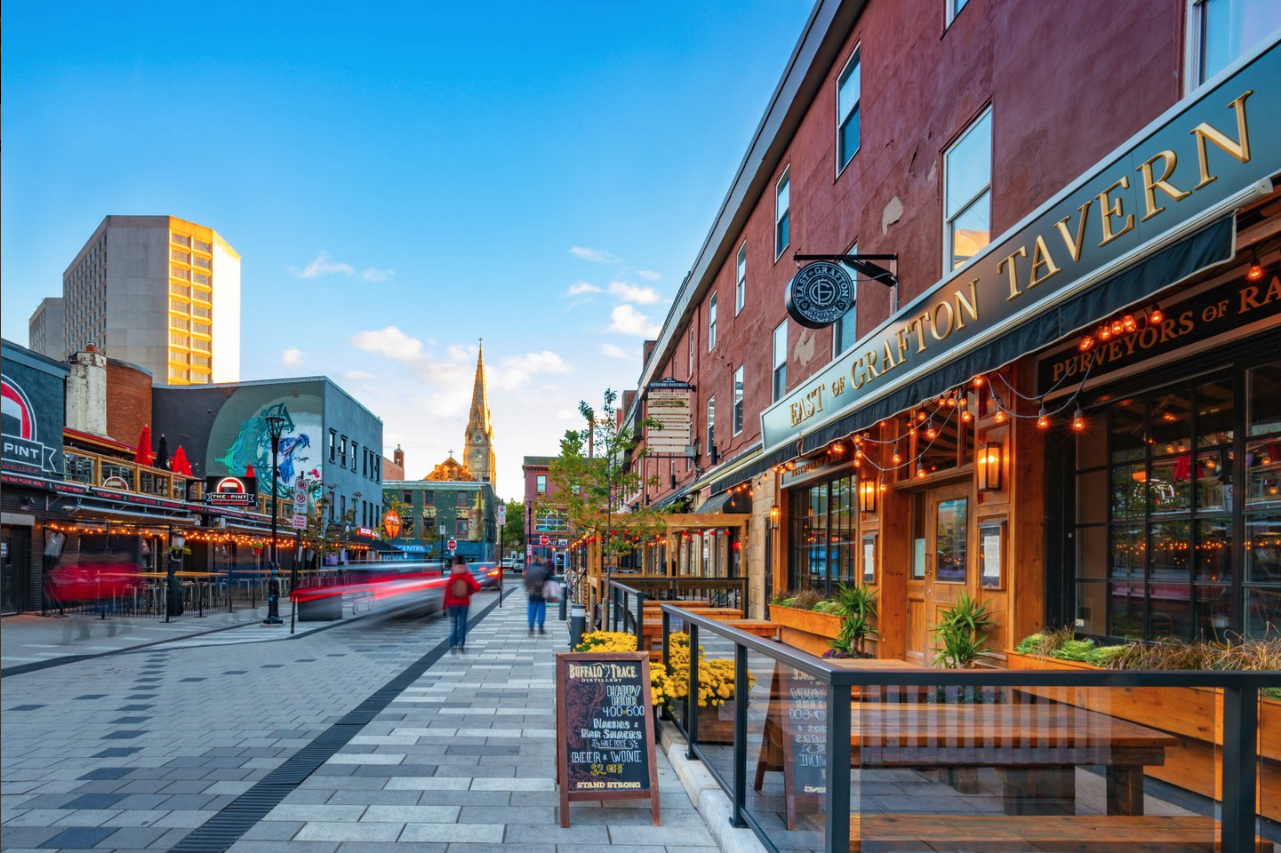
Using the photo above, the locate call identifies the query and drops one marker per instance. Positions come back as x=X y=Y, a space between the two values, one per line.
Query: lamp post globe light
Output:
x=275 y=428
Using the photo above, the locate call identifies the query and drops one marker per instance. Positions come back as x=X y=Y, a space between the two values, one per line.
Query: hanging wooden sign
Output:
x=605 y=729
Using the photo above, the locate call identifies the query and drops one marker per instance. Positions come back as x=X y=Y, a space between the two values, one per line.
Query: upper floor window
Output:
x=967 y=194
x=711 y=429
x=354 y=453
x=711 y=323
x=1223 y=30
x=738 y=400
x=464 y=499
x=954 y=8
x=407 y=497
x=740 y=280
x=333 y=441
x=782 y=213
x=844 y=329
x=429 y=498
x=541 y=486
x=691 y=354
x=780 y=361
x=848 y=92
x=342 y=451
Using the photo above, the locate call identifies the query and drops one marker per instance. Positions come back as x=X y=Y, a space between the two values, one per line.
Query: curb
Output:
x=706 y=795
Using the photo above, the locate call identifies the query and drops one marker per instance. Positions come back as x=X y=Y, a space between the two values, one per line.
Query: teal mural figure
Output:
x=253 y=447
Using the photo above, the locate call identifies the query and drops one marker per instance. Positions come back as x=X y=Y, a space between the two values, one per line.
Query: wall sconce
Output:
x=867 y=490
x=774 y=514
x=989 y=467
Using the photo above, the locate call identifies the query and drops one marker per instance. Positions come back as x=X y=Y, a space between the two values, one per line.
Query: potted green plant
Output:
x=961 y=634
x=806 y=620
x=856 y=605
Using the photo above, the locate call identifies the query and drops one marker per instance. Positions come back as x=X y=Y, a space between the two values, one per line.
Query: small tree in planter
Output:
x=856 y=605
x=962 y=634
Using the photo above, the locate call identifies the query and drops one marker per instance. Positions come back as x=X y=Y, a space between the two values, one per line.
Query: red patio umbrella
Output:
x=143 y=454
x=180 y=463
x=249 y=471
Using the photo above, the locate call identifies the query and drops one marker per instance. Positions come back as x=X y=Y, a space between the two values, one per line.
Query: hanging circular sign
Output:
x=820 y=294
x=391 y=523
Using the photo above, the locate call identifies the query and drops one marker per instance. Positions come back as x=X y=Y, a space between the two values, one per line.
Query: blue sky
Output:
x=399 y=184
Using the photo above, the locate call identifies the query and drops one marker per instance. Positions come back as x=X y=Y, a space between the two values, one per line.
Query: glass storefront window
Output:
x=824 y=535
x=1185 y=559
x=950 y=539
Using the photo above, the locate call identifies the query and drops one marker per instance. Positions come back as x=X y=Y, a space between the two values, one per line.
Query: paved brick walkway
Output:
x=133 y=751
x=464 y=761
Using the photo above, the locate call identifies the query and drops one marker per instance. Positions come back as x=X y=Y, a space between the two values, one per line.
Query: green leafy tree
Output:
x=323 y=536
x=594 y=477
x=514 y=530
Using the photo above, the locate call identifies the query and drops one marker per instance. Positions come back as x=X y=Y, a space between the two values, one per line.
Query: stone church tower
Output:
x=478 y=443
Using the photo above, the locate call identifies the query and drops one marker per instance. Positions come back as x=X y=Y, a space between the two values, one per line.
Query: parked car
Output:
x=519 y=565
x=509 y=562
x=486 y=574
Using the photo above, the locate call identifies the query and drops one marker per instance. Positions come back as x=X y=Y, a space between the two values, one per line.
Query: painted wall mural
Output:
x=240 y=439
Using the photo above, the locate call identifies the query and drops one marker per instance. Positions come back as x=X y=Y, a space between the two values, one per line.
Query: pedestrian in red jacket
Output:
x=459 y=586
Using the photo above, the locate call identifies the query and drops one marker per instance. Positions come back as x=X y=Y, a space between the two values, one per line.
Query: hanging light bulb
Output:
x=1129 y=323
x=1118 y=327
x=1000 y=410
x=1043 y=419
x=930 y=431
x=978 y=381
x=1086 y=344
x=898 y=457
x=920 y=416
x=1155 y=314
x=1105 y=332
x=920 y=472
x=1078 y=420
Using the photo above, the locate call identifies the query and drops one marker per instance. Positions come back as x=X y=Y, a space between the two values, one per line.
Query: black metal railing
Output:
x=1009 y=747
x=625 y=597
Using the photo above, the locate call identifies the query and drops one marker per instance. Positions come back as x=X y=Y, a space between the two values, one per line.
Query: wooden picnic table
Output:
x=1035 y=746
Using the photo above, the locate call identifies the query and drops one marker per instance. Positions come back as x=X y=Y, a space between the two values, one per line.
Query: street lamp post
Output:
x=275 y=428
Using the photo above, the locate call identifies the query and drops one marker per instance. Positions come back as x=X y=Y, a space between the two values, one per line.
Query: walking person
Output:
x=458 y=592
x=535 y=579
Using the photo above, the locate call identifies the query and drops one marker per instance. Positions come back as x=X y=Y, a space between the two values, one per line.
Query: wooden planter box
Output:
x=1194 y=714
x=716 y=725
x=808 y=630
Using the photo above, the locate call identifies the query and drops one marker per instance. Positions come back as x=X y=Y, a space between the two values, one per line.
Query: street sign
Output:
x=451 y=544
x=300 y=505
x=442 y=530
x=544 y=540
x=501 y=513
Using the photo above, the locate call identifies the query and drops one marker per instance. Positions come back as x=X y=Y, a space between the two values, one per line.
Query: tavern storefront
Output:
x=1082 y=426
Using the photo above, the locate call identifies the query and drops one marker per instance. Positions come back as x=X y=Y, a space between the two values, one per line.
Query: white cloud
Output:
x=582 y=288
x=626 y=320
x=516 y=371
x=599 y=256
x=626 y=292
x=291 y=357
x=614 y=351
x=375 y=274
x=321 y=265
x=357 y=376
x=390 y=342
x=648 y=275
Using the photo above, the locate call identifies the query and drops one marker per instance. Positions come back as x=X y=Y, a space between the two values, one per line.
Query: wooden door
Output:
x=941 y=563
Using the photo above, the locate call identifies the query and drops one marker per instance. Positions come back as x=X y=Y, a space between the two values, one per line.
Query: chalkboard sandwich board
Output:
x=795 y=740
x=604 y=729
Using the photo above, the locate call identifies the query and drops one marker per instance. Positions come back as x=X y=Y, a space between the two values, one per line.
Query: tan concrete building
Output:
x=160 y=292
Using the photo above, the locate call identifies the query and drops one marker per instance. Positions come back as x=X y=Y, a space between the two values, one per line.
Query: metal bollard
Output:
x=564 y=600
x=577 y=622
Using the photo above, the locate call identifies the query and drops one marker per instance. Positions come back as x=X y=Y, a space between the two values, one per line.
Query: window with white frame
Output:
x=844 y=329
x=711 y=427
x=738 y=400
x=1220 y=31
x=967 y=193
x=780 y=361
x=954 y=8
x=711 y=323
x=782 y=213
x=691 y=353
x=740 y=280
x=848 y=93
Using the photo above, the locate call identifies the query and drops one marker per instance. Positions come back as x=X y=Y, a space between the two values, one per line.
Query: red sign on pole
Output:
x=544 y=540
x=451 y=544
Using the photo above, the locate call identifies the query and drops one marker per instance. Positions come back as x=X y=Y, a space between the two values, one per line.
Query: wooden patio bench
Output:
x=870 y=833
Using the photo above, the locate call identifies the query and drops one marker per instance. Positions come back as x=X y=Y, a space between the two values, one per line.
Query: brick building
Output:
x=924 y=437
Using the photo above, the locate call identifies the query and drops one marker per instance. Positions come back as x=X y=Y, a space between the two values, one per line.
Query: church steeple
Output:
x=478 y=443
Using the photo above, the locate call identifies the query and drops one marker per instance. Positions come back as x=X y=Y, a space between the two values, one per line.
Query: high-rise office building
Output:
x=44 y=331
x=160 y=292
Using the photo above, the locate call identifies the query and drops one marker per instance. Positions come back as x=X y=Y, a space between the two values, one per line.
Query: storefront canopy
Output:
x=1205 y=248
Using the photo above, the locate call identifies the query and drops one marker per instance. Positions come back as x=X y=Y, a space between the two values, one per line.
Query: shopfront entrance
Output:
x=941 y=520
x=14 y=567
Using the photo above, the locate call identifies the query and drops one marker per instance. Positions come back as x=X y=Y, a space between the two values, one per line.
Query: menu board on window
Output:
x=605 y=729
x=668 y=404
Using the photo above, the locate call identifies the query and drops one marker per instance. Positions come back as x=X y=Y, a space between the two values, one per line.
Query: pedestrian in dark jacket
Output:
x=535 y=579
x=459 y=586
